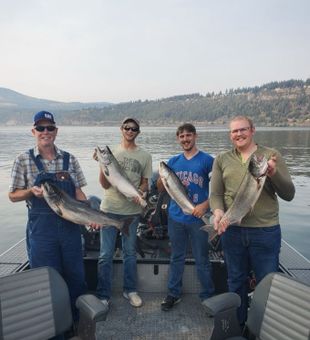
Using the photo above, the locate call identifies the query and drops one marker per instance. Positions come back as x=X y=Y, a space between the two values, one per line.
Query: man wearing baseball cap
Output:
x=51 y=240
x=137 y=164
x=43 y=115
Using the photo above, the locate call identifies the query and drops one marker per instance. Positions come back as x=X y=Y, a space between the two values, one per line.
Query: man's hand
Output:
x=142 y=194
x=37 y=191
x=95 y=226
x=219 y=224
x=272 y=166
x=95 y=157
x=200 y=210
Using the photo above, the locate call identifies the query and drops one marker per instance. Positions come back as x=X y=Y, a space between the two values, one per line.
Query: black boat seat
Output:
x=35 y=305
x=280 y=309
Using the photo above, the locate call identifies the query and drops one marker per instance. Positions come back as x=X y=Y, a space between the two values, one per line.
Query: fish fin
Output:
x=106 y=172
x=109 y=149
x=207 y=227
x=259 y=184
x=207 y=218
x=58 y=211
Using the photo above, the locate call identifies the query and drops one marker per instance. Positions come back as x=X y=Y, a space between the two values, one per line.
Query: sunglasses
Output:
x=49 y=128
x=133 y=129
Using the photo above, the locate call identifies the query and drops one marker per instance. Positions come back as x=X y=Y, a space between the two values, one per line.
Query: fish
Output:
x=249 y=191
x=116 y=175
x=177 y=191
x=78 y=212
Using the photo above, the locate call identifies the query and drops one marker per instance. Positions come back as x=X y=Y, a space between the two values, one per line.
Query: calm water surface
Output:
x=294 y=145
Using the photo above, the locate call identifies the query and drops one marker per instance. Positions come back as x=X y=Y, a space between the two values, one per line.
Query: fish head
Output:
x=51 y=192
x=163 y=170
x=258 y=165
x=104 y=155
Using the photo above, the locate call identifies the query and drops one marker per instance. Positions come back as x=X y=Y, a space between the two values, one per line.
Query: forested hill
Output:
x=284 y=103
x=275 y=104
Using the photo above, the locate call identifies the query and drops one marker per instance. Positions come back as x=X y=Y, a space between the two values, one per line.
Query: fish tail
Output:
x=213 y=237
x=147 y=208
x=144 y=204
x=125 y=225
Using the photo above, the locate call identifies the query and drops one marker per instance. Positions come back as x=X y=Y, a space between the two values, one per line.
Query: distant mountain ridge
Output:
x=285 y=103
x=19 y=108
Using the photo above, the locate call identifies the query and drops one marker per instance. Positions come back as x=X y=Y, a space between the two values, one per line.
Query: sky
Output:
x=127 y=50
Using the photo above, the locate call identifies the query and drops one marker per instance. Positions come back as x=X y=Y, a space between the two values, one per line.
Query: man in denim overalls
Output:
x=51 y=240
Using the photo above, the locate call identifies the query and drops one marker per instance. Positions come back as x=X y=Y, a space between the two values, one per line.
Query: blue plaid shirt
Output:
x=24 y=171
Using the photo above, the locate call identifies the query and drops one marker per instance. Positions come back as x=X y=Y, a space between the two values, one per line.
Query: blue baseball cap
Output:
x=43 y=115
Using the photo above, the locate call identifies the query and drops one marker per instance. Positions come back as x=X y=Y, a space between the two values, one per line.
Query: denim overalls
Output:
x=51 y=240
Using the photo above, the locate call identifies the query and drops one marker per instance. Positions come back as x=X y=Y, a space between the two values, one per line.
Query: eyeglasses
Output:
x=49 y=128
x=242 y=130
x=133 y=129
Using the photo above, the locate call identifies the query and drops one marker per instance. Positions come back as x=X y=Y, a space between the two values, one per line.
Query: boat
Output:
x=188 y=320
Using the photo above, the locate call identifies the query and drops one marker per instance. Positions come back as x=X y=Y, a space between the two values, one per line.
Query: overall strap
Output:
x=66 y=161
x=36 y=160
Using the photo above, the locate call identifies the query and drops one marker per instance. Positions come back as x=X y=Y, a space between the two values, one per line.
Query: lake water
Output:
x=294 y=145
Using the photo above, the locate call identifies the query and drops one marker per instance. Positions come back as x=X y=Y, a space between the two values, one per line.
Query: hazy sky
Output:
x=123 y=50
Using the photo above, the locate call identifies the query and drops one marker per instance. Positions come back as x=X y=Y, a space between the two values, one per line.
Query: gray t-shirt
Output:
x=136 y=163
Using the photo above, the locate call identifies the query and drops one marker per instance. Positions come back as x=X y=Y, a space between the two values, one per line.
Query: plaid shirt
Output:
x=24 y=171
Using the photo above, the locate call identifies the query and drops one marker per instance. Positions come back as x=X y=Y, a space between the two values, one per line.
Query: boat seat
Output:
x=280 y=309
x=35 y=305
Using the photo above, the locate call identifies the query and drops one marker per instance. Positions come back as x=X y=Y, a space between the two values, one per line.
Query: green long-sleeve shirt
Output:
x=227 y=174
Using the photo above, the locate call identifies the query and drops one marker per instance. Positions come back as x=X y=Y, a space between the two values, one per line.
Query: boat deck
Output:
x=15 y=259
x=294 y=264
x=187 y=320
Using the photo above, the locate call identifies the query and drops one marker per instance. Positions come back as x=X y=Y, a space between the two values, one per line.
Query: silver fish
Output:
x=76 y=211
x=178 y=193
x=116 y=175
x=248 y=192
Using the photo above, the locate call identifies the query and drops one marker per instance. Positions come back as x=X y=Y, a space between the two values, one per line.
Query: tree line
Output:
x=285 y=103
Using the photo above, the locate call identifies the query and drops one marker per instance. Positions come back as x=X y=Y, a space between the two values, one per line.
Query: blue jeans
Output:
x=180 y=234
x=246 y=249
x=105 y=261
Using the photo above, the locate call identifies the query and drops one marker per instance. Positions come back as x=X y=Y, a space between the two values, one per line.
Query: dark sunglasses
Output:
x=133 y=129
x=41 y=128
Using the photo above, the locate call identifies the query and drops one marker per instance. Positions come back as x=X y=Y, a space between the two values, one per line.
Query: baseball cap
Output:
x=43 y=115
x=129 y=119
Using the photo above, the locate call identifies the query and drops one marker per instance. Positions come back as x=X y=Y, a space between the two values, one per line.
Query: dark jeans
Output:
x=246 y=249
x=180 y=234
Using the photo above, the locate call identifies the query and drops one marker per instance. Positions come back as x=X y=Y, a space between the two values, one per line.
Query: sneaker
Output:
x=106 y=302
x=169 y=302
x=134 y=298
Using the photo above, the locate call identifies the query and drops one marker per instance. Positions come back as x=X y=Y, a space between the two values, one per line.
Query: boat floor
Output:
x=186 y=320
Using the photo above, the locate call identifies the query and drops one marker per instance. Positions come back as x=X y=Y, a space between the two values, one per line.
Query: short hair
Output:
x=249 y=120
x=186 y=127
